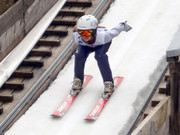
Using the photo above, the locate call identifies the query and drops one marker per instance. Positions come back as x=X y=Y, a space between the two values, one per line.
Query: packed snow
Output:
x=138 y=55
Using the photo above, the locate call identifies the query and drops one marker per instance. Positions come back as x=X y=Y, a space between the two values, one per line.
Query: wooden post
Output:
x=174 y=65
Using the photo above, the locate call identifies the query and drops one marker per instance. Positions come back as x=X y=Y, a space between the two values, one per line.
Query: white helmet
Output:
x=87 y=22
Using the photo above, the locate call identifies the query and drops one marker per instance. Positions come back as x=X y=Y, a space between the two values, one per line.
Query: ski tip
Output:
x=56 y=116
x=90 y=119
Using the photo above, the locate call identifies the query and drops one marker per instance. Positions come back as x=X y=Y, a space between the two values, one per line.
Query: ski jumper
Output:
x=100 y=47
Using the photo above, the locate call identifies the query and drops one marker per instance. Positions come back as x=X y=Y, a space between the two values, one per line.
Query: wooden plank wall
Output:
x=17 y=21
x=157 y=121
x=155 y=118
x=11 y=29
x=5 y=4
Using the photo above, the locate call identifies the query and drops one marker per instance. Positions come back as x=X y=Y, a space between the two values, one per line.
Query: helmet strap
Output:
x=92 y=41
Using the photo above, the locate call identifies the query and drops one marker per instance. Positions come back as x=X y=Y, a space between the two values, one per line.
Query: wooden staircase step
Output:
x=75 y=3
x=22 y=74
x=13 y=85
x=71 y=12
x=35 y=63
x=64 y=22
x=56 y=32
x=48 y=42
x=40 y=52
x=6 y=98
x=1 y=110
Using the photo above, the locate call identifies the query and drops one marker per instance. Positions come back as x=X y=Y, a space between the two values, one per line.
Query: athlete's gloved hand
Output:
x=126 y=26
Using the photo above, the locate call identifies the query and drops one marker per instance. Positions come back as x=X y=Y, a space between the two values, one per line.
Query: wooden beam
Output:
x=6 y=98
x=48 y=42
x=74 y=3
x=64 y=22
x=13 y=85
x=40 y=52
x=22 y=74
x=56 y=32
x=175 y=96
x=35 y=63
x=1 y=110
x=70 y=12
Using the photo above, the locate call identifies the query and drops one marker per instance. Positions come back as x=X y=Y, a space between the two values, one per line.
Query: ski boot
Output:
x=108 y=90
x=76 y=87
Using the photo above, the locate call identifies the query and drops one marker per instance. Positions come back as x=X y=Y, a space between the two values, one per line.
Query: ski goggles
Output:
x=86 y=32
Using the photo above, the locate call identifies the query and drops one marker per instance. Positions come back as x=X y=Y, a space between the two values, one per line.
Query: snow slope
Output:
x=138 y=55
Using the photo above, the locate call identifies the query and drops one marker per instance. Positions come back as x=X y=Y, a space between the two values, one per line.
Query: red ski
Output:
x=63 y=108
x=96 y=111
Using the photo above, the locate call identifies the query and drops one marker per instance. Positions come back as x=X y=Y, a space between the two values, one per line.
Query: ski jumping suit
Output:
x=100 y=47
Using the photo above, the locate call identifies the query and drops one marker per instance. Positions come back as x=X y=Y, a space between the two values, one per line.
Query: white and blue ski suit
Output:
x=101 y=45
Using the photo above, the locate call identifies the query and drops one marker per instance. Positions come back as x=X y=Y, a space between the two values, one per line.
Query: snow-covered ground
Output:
x=138 y=56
